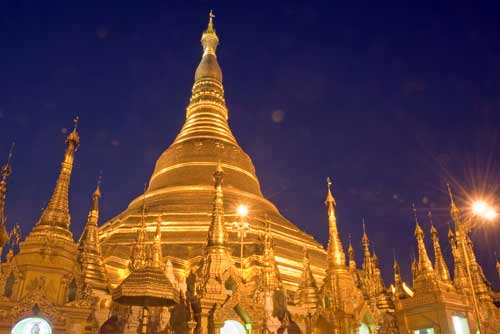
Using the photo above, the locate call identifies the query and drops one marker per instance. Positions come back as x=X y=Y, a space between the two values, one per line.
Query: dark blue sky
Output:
x=390 y=99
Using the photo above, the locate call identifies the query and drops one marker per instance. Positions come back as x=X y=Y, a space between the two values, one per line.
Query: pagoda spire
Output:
x=207 y=114
x=271 y=274
x=459 y=274
x=424 y=263
x=454 y=211
x=308 y=290
x=56 y=216
x=336 y=256
x=138 y=255
x=6 y=171
x=157 y=253
x=350 y=252
x=367 y=260
x=397 y=273
x=439 y=262
x=217 y=233
x=90 y=256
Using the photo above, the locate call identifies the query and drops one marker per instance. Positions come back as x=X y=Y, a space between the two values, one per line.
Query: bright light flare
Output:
x=484 y=210
x=490 y=214
x=479 y=208
x=242 y=211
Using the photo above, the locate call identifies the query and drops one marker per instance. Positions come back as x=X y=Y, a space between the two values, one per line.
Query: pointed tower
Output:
x=49 y=249
x=217 y=233
x=181 y=184
x=367 y=258
x=398 y=290
x=138 y=257
x=89 y=250
x=465 y=250
x=352 y=259
x=6 y=171
x=217 y=260
x=339 y=292
x=270 y=272
x=424 y=263
x=336 y=256
x=56 y=219
x=459 y=275
x=439 y=262
x=308 y=291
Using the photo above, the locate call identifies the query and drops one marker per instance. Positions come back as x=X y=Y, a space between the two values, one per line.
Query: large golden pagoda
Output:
x=181 y=259
x=180 y=190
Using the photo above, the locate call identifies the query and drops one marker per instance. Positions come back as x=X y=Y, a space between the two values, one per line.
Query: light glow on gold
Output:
x=242 y=210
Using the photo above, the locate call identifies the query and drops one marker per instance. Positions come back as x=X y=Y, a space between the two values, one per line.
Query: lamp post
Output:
x=241 y=226
x=481 y=211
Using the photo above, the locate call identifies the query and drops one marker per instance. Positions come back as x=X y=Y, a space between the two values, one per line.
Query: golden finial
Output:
x=75 y=122
x=414 y=209
x=450 y=193
x=433 y=228
x=97 y=191
x=209 y=38
x=330 y=200
x=453 y=208
x=7 y=169
x=73 y=137
x=11 y=152
x=211 y=16
x=364 y=238
x=418 y=229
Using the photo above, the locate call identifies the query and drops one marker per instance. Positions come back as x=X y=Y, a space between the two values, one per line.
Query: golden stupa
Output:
x=180 y=190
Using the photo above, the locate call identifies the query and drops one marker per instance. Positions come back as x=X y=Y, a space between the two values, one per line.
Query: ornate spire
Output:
x=367 y=260
x=217 y=234
x=398 y=282
x=308 y=291
x=459 y=275
x=336 y=256
x=424 y=263
x=397 y=272
x=90 y=257
x=271 y=275
x=414 y=267
x=56 y=215
x=6 y=171
x=207 y=114
x=157 y=253
x=439 y=262
x=138 y=258
x=352 y=259
x=454 y=211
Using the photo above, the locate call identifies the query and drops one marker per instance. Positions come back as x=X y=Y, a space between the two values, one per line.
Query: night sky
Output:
x=391 y=100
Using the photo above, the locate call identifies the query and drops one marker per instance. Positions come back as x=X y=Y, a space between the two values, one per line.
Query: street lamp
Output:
x=241 y=226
